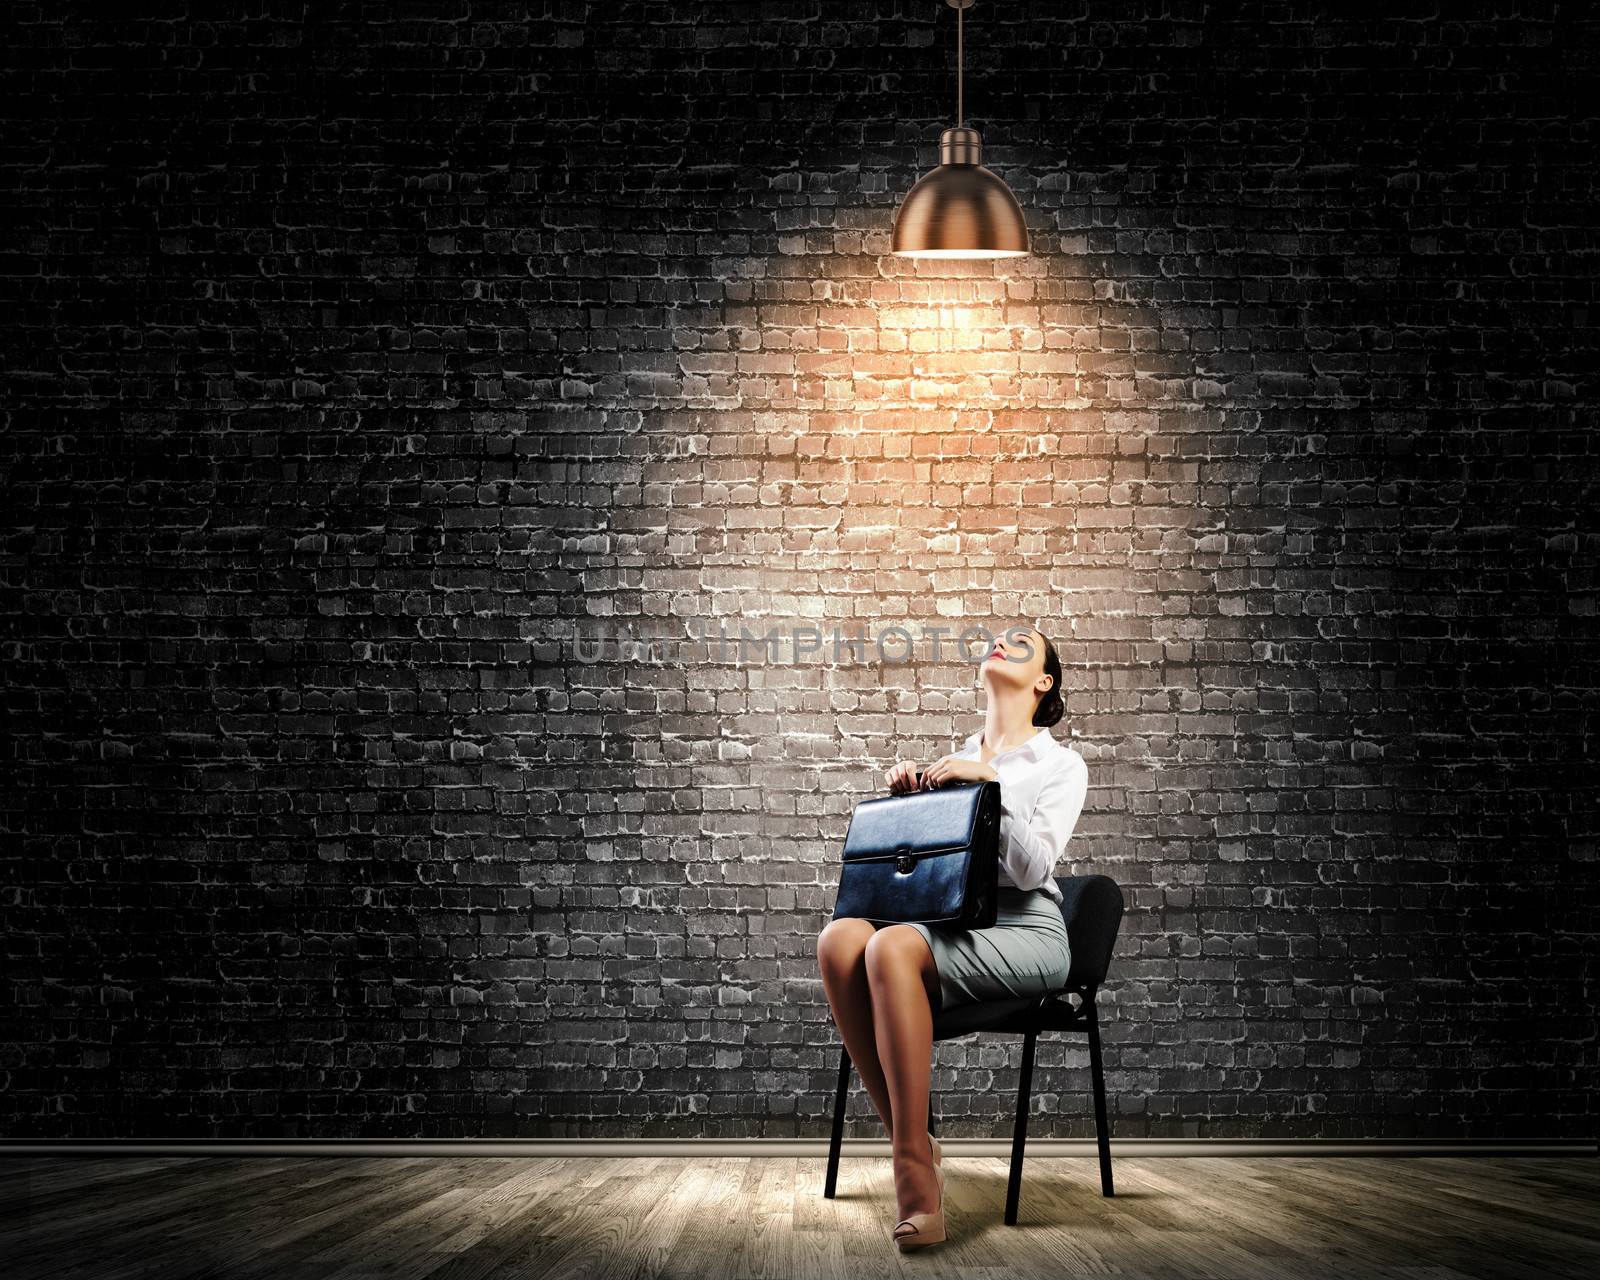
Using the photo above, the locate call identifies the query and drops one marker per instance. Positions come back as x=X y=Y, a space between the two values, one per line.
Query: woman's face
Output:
x=1016 y=662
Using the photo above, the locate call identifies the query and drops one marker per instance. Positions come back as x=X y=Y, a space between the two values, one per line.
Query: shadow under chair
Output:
x=1092 y=909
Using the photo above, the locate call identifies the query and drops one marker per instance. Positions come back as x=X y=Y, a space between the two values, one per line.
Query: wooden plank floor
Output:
x=434 y=1218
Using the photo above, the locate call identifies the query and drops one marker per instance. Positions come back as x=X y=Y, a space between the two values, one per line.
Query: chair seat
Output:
x=1091 y=908
x=1028 y=1013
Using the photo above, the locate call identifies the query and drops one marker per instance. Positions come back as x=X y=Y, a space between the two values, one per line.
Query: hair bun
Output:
x=1050 y=707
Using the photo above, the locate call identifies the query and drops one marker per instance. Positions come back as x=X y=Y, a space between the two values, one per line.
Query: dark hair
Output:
x=1051 y=708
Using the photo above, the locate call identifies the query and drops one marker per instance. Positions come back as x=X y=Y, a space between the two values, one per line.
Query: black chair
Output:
x=1092 y=908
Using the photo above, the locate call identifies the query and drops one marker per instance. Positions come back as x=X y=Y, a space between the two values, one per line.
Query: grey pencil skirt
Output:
x=1025 y=953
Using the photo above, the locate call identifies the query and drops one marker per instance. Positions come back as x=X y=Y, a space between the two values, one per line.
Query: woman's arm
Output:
x=1031 y=846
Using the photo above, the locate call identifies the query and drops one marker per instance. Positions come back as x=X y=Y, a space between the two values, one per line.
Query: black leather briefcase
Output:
x=929 y=856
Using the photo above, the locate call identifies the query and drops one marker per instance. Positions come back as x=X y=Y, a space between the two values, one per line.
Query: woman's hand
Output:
x=957 y=769
x=902 y=778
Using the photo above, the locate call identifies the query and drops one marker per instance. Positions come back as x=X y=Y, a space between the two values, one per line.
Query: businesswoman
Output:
x=885 y=984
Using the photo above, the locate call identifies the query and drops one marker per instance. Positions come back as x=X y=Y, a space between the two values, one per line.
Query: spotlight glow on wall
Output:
x=960 y=209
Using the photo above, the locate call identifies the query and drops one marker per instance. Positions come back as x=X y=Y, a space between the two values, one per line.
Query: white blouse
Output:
x=1042 y=787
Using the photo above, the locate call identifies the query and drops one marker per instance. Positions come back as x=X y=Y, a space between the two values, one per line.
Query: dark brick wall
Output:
x=354 y=353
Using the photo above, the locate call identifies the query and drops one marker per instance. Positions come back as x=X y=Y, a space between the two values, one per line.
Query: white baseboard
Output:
x=813 y=1148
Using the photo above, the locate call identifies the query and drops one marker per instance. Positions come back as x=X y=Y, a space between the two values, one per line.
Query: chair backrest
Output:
x=1092 y=908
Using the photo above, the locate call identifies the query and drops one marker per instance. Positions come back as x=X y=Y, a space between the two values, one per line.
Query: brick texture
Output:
x=357 y=355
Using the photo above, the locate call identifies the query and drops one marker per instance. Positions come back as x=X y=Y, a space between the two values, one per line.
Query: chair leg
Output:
x=840 y=1097
x=1101 y=1129
x=1019 y=1134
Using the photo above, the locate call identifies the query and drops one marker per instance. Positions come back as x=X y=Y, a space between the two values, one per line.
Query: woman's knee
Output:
x=842 y=942
x=897 y=946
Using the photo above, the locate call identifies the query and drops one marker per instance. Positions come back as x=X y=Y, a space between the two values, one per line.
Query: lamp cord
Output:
x=961 y=61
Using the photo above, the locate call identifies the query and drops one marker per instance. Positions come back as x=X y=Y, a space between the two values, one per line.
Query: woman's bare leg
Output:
x=841 y=956
x=904 y=984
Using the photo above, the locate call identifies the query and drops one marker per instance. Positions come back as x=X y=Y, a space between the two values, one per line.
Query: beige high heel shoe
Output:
x=928 y=1228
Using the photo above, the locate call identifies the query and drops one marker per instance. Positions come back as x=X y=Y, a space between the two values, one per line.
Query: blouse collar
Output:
x=1033 y=747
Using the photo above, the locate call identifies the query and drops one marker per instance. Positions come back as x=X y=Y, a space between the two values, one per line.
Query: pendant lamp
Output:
x=960 y=209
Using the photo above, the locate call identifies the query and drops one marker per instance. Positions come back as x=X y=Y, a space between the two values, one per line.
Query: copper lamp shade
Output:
x=960 y=209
